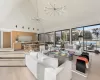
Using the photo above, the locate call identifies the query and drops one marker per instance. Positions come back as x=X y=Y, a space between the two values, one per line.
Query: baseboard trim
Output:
x=13 y=66
x=12 y=57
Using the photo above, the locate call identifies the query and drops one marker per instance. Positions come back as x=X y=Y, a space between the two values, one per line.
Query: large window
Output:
x=66 y=35
x=51 y=36
x=77 y=36
x=62 y=36
x=92 y=37
x=47 y=37
x=58 y=37
x=41 y=37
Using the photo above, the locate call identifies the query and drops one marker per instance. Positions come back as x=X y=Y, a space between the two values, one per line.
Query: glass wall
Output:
x=92 y=37
x=88 y=37
x=77 y=36
x=62 y=36
x=51 y=36
x=58 y=35
x=47 y=37
x=41 y=37
x=55 y=37
x=66 y=35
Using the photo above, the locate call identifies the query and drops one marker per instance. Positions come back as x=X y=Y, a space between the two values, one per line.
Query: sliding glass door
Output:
x=88 y=37
x=51 y=36
x=77 y=36
x=66 y=36
x=92 y=37
x=58 y=35
x=62 y=36
x=41 y=37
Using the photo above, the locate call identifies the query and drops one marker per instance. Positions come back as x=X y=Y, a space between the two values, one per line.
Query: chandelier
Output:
x=37 y=18
x=54 y=10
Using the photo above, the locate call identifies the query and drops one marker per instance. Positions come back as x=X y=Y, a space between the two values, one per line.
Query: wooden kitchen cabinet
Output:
x=17 y=46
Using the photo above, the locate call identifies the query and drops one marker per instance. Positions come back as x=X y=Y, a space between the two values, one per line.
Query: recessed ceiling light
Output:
x=28 y=27
x=23 y=27
x=16 y=26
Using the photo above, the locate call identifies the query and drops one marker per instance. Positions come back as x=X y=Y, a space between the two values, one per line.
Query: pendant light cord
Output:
x=37 y=14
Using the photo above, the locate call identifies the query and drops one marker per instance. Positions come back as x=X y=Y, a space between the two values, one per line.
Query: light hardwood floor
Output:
x=12 y=62
x=15 y=73
x=22 y=73
x=94 y=73
x=95 y=68
x=14 y=58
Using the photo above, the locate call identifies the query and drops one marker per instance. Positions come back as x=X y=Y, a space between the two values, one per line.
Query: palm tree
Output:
x=96 y=32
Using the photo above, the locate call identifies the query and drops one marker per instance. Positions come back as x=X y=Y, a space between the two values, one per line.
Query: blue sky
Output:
x=89 y=27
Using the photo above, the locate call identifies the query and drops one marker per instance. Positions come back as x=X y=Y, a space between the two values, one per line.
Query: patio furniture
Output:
x=91 y=47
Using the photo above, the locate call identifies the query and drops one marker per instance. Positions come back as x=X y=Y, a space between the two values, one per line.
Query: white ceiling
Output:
x=77 y=13
x=17 y=12
x=6 y=7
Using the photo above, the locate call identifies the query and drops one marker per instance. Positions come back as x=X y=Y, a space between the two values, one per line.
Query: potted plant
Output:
x=63 y=39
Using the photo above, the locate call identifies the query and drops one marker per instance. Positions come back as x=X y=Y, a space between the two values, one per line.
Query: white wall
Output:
x=6 y=6
x=17 y=12
x=1 y=39
x=20 y=15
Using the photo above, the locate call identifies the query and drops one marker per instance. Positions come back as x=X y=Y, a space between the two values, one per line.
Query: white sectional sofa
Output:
x=32 y=62
x=62 y=72
x=46 y=68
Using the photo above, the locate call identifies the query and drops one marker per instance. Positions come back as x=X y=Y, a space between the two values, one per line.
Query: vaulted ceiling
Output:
x=77 y=13
x=17 y=12
x=6 y=7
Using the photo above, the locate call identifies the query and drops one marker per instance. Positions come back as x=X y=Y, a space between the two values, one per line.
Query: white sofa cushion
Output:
x=53 y=62
x=34 y=54
x=31 y=63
